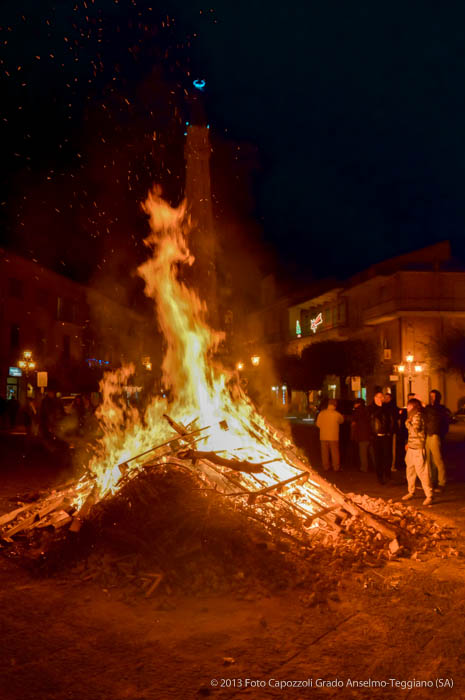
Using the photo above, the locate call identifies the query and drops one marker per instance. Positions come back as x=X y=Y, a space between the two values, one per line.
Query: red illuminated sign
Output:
x=315 y=322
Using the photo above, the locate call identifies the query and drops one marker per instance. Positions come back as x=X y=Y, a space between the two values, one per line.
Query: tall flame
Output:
x=200 y=389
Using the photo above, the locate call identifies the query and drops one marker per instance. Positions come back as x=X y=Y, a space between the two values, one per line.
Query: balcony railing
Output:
x=323 y=328
x=412 y=304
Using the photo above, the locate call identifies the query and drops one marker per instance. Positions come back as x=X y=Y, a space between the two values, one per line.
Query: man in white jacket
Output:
x=328 y=422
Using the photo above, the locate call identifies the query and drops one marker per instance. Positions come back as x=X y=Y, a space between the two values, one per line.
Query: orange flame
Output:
x=202 y=391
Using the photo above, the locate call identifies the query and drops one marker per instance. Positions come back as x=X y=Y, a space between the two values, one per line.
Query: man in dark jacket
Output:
x=436 y=426
x=392 y=406
x=382 y=429
x=361 y=432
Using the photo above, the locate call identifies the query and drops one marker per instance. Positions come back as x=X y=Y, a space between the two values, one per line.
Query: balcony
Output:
x=329 y=331
x=395 y=307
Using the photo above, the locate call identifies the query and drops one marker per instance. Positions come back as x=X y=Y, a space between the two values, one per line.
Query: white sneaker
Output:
x=407 y=496
x=428 y=501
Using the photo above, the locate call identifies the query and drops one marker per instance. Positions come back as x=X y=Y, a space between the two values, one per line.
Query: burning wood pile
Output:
x=183 y=520
x=210 y=440
x=303 y=503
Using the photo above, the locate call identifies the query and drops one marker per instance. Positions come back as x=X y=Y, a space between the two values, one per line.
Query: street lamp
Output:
x=239 y=366
x=27 y=362
x=255 y=360
x=412 y=369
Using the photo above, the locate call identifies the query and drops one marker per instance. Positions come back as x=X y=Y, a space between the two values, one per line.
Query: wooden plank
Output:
x=321 y=513
x=236 y=465
x=185 y=434
x=158 y=578
x=55 y=503
x=8 y=517
x=277 y=485
x=337 y=495
x=23 y=525
x=84 y=510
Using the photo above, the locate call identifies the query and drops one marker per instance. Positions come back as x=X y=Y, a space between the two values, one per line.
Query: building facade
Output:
x=68 y=329
x=405 y=306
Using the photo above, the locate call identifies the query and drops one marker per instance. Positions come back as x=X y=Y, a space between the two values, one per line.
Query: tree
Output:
x=346 y=358
x=289 y=370
x=447 y=352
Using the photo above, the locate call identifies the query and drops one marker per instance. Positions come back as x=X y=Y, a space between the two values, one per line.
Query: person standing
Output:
x=328 y=421
x=360 y=432
x=391 y=406
x=415 y=458
x=382 y=428
x=437 y=426
x=50 y=414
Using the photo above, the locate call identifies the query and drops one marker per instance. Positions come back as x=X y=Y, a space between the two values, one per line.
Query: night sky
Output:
x=338 y=127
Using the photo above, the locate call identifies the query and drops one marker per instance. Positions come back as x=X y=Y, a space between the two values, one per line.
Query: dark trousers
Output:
x=382 y=453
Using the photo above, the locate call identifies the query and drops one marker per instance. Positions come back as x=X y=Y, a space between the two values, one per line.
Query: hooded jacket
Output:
x=436 y=417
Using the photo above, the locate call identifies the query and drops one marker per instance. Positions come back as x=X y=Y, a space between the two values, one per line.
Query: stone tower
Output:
x=202 y=242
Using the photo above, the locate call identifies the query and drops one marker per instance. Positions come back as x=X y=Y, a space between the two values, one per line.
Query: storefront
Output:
x=13 y=383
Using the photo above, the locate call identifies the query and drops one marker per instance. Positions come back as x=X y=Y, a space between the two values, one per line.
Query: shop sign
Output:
x=15 y=372
x=42 y=379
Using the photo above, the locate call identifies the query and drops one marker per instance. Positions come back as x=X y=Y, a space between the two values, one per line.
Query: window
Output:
x=15 y=288
x=66 y=347
x=40 y=344
x=14 y=337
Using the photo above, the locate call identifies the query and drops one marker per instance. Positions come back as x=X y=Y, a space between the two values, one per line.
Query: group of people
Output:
x=380 y=430
x=45 y=417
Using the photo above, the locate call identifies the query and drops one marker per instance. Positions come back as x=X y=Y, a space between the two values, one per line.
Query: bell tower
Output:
x=202 y=243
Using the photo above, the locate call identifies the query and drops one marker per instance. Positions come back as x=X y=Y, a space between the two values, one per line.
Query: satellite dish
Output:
x=199 y=84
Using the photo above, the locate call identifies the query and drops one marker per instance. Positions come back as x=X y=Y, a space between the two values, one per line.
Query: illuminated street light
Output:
x=239 y=366
x=255 y=360
x=26 y=362
x=411 y=369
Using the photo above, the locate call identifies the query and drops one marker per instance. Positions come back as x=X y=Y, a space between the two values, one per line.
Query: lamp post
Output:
x=413 y=368
x=27 y=364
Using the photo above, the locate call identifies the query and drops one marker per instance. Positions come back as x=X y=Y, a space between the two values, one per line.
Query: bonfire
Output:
x=208 y=426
